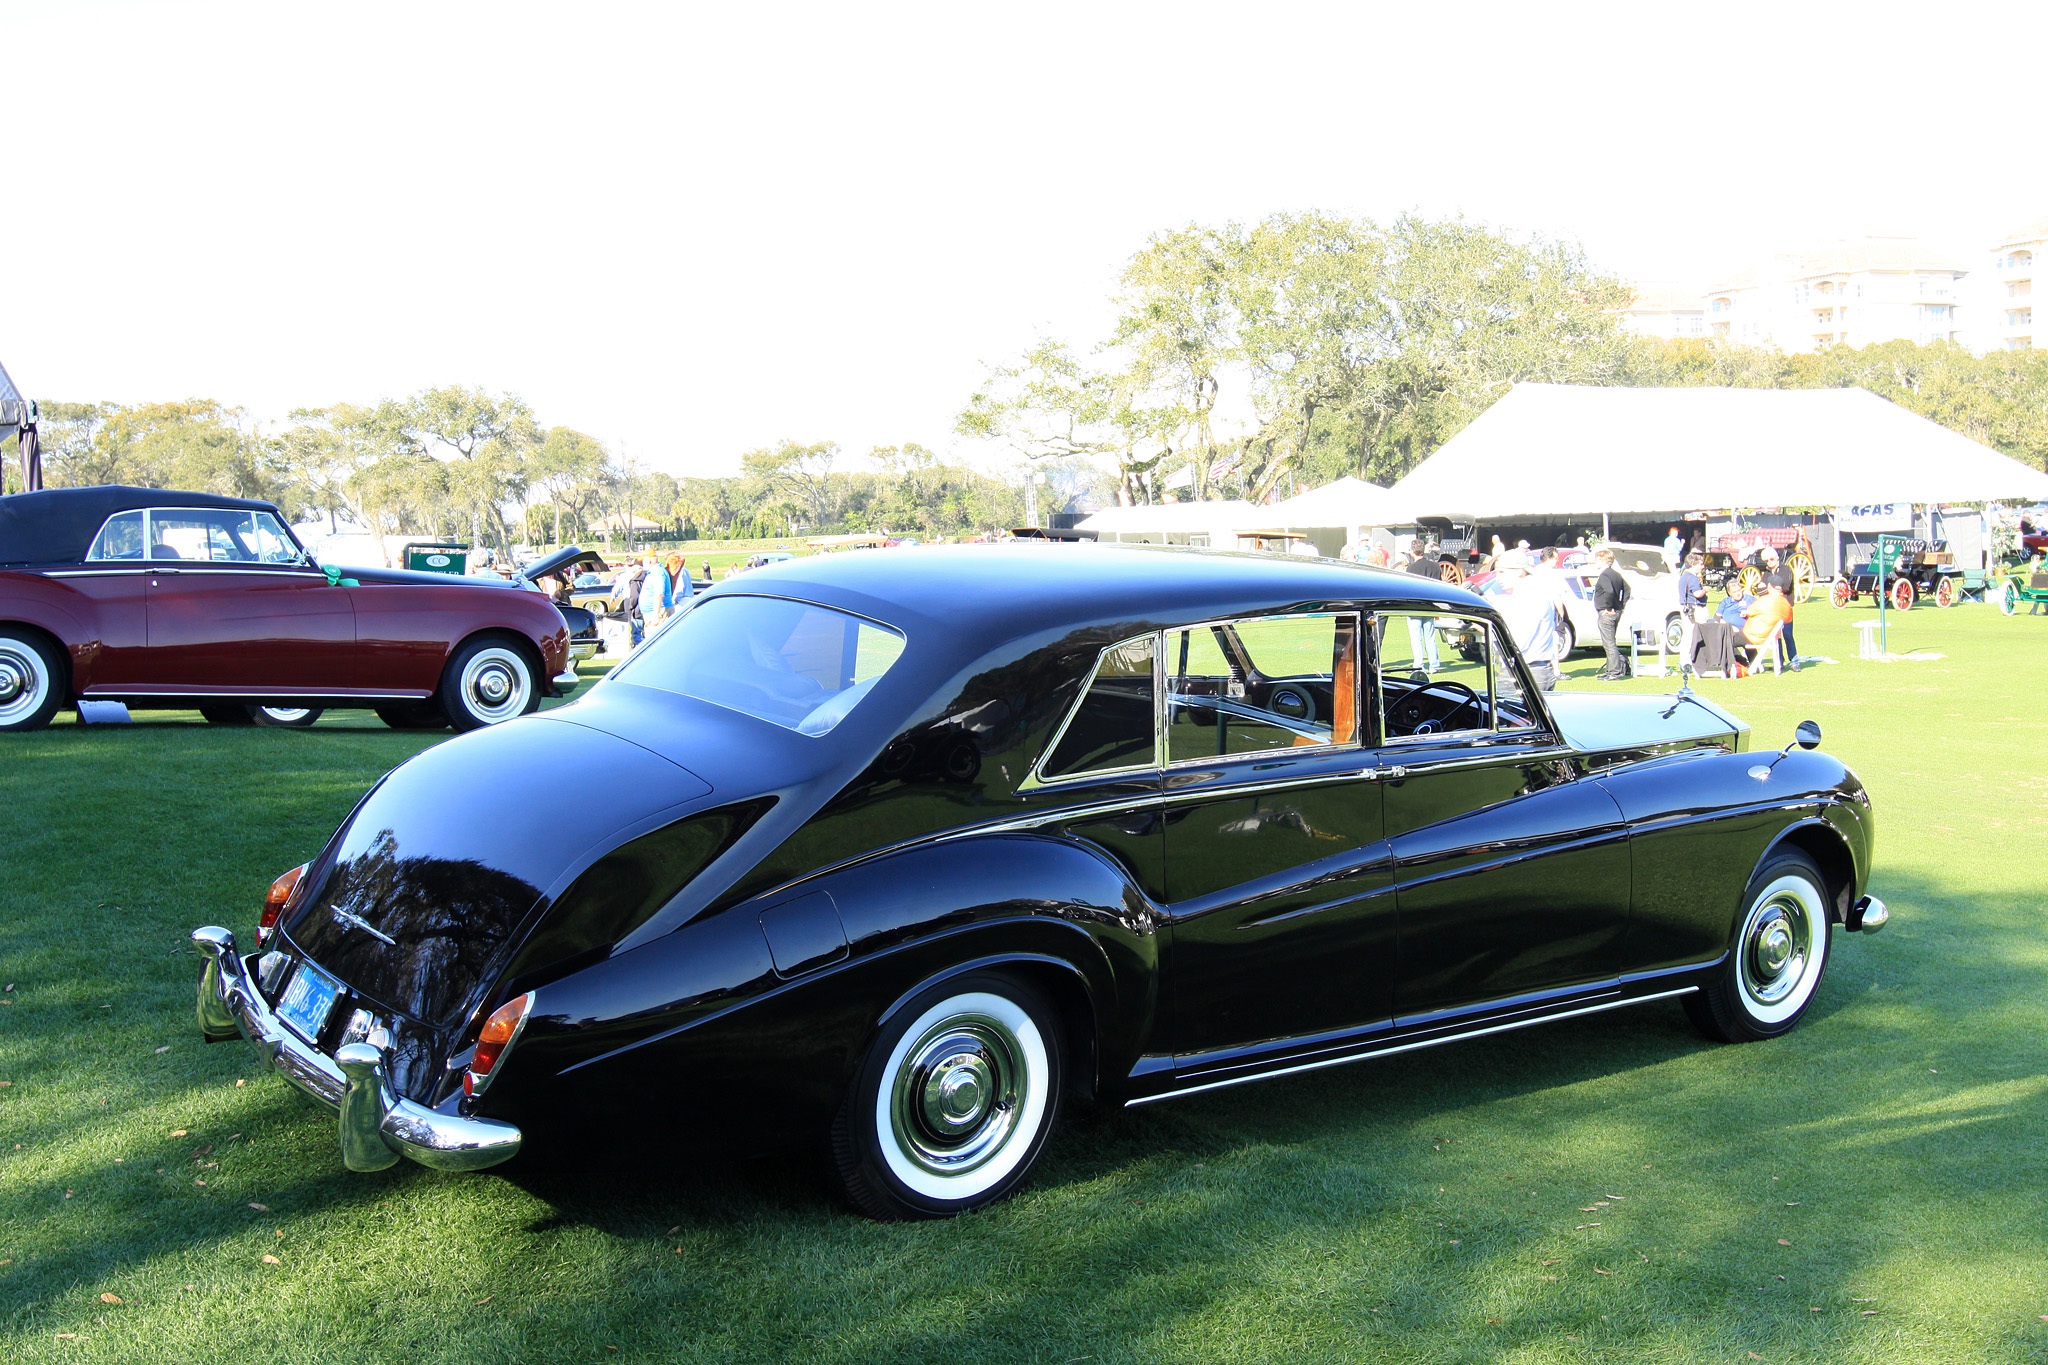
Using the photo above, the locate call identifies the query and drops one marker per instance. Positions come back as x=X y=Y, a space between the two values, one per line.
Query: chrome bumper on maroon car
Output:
x=375 y=1124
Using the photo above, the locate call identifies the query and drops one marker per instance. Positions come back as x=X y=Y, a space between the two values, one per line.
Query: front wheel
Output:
x=953 y=1103
x=2009 y=597
x=285 y=717
x=1945 y=593
x=1777 y=960
x=1674 y=633
x=488 y=681
x=1843 y=593
x=1903 y=595
x=29 y=691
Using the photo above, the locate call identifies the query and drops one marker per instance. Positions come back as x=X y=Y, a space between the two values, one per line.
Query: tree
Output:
x=797 y=477
x=490 y=440
x=569 y=468
x=1051 y=406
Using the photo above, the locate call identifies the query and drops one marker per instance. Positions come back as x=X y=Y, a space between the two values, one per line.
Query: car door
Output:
x=1277 y=874
x=234 y=610
x=115 y=580
x=1511 y=869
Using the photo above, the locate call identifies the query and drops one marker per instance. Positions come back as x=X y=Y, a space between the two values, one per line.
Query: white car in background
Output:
x=1652 y=601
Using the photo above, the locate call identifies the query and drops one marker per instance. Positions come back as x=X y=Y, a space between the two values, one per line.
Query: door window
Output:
x=219 y=537
x=1257 y=686
x=120 y=538
x=1112 y=727
x=1447 y=675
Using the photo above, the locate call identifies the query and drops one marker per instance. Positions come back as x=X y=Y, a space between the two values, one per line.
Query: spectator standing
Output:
x=655 y=597
x=680 y=586
x=1779 y=575
x=1535 y=621
x=1610 y=596
x=1422 y=631
x=1674 y=548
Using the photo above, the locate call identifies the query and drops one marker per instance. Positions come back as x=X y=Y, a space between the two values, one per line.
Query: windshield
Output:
x=789 y=663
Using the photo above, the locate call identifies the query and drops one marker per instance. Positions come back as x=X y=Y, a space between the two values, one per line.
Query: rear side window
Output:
x=1112 y=727
x=120 y=538
x=792 y=664
x=1251 y=687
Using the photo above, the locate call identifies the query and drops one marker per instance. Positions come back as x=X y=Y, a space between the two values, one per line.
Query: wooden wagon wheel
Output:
x=1903 y=595
x=1843 y=593
x=1801 y=564
x=1751 y=581
x=1945 y=593
x=1452 y=573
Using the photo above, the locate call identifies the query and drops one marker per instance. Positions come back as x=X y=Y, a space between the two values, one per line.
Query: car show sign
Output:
x=1876 y=516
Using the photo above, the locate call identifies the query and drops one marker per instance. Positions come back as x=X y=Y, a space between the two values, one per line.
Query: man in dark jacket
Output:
x=1610 y=595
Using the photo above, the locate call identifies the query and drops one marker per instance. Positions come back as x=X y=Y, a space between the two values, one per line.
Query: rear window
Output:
x=792 y=664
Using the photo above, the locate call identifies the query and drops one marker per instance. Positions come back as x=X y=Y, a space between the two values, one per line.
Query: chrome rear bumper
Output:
x=375 y=1124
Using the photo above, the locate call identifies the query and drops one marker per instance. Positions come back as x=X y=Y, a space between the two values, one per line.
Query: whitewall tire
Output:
x=1777 y=958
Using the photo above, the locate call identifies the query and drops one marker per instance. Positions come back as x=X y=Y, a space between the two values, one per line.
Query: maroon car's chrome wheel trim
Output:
x=22 y=682
x=496 y=685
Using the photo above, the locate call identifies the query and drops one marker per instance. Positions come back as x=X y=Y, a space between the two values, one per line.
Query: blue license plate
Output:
x=307 y=1001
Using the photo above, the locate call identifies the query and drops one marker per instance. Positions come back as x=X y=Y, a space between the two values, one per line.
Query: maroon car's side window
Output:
x=120 y=538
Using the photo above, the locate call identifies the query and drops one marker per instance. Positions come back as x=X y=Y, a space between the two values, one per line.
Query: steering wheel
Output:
x=1413 y=702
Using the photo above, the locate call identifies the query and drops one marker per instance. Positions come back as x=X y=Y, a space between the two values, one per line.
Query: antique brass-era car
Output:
x=899 y=853
x=158 y=598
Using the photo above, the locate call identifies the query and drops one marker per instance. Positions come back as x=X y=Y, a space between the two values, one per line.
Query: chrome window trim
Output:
x=1035 y=780
x=148 y=539
x=1503 y=1027
x=139 y=560
x=1357 y=740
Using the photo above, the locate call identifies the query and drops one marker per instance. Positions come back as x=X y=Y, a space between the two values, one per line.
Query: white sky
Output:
x=695 y=230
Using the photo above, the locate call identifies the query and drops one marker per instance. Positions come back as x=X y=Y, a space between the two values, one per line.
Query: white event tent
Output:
x=1178 y=523
x=1347 y=509
x=1552 y=450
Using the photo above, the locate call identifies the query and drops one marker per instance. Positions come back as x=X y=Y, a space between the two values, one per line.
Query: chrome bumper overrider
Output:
x=567 y=681
x=1868 y=915
x=376 y=1126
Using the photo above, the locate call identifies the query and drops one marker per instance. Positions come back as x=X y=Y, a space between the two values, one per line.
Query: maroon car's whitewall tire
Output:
x=30 y=690
x=954 y=1101
x=285 y=717
x=489 y=681
x=1777 y=959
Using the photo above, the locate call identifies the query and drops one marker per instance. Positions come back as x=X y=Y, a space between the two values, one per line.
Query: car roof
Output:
x=56 y=525
x=999 y=592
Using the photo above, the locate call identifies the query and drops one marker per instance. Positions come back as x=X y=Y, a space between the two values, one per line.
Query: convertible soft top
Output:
x=56 y=525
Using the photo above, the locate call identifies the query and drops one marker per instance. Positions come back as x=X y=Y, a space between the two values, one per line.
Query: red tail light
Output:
x=500 y=1031
x=276 y=901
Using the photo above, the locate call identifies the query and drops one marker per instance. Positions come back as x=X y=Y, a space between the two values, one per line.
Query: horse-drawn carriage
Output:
x=1905 y=570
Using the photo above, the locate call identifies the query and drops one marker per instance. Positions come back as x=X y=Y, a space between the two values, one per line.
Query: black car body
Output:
x=904 y=848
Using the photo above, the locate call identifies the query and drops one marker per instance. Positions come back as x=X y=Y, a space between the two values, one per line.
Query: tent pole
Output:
x=1605 y=533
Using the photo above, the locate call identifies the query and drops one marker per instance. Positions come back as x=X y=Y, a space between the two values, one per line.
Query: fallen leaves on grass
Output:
x=1598 y=1271
x=239 y=1084
x=269 y=1259
x=261 y=1208
x=1867 y=1313
x=67 y=1336
x=1783 y=1243
x=110 y=1298
x=162 y=1050
x=179 y=1132
x=485 y=1299
x=1583 y=1226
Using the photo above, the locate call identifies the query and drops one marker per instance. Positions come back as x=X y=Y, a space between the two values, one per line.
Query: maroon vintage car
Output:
x=182 y=600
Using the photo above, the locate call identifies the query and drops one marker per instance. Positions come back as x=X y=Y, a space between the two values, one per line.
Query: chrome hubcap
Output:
x=1775 y=955
x=495 y=685
x=22 y=685
x=956 y=1094
x=12 y=684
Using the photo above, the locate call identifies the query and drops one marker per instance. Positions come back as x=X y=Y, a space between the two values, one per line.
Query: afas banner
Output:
x=1877 y=516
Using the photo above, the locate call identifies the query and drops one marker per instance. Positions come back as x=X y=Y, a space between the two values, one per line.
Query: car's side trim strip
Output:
x=1319 y=1064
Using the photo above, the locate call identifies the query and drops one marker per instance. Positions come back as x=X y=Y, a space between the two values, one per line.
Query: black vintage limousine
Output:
x=900 y=851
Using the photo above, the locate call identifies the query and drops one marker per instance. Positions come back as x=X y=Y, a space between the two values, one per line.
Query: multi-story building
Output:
x=1850 y=293
x=1665 y=310
x=2011 y=326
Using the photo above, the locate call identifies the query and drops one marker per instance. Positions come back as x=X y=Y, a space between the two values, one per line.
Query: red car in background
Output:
x=164 y=599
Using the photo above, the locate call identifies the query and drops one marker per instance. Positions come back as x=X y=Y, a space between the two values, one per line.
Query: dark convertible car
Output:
x=899 y=853
x=158 y=598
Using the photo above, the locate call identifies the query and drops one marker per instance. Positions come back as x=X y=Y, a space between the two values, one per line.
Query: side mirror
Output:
x=1807 y=736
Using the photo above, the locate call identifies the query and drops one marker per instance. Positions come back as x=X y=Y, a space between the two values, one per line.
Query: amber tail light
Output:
x=500 y=1031
x=276 y=901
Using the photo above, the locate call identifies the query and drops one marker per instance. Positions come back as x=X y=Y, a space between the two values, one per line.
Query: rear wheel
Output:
x=1945 y=593
x=1751 y=581
x=1843 y=593
x=1674 y=633
x=285 y=717
x=1903 y=595
x=2009 y=597
x=416 y=715
x=1802 y=575
x=1778 y=957
x=489 y=681
x=953 y=1103
x=29 y=689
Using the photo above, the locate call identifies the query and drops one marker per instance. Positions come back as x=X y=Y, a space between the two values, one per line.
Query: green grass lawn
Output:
x=1613 y=1188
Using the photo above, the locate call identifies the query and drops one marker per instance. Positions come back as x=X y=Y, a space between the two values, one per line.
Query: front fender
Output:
x=714 y=1019
x=1700 y=822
